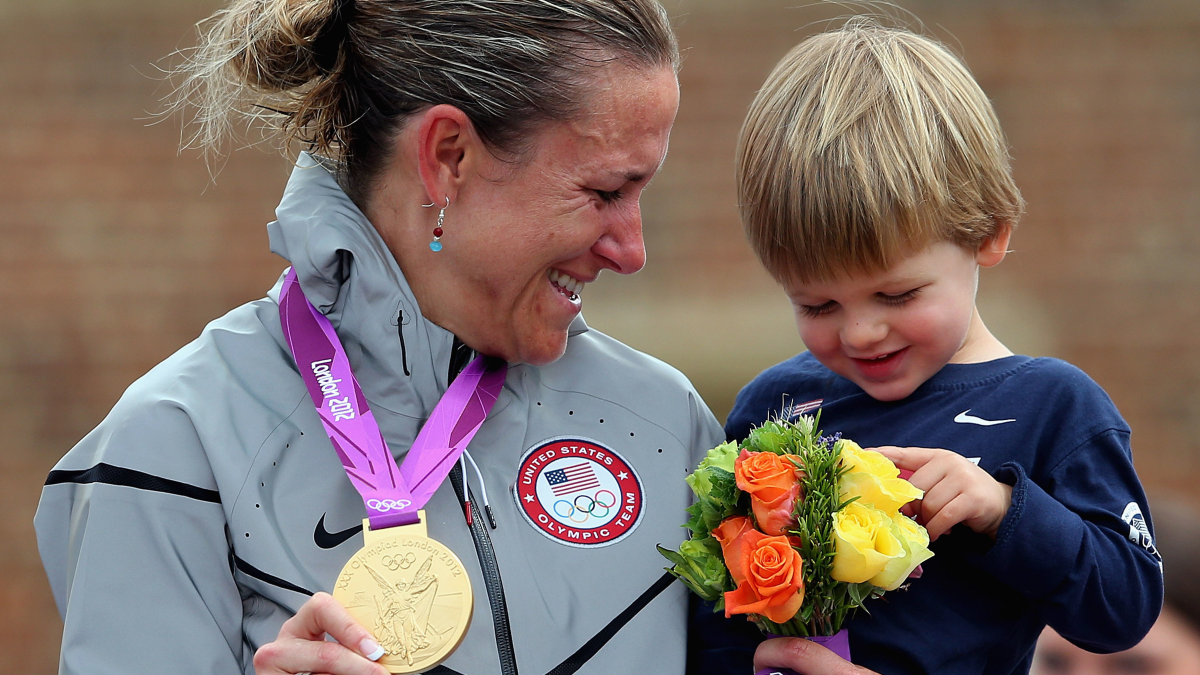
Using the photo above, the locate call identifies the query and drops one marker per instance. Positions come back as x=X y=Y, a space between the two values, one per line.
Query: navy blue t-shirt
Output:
x=1075 y=550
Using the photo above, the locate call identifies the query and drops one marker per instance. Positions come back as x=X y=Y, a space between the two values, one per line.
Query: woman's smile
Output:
x=566 y=285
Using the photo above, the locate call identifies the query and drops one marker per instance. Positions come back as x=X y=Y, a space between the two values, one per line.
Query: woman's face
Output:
x=1171 y=648
x=521 y=241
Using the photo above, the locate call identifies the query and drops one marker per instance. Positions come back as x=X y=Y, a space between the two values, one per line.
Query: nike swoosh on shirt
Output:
x=964 y=418
x=327 y=540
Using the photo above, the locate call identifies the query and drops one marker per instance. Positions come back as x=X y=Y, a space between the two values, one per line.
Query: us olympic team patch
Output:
x=579 y=492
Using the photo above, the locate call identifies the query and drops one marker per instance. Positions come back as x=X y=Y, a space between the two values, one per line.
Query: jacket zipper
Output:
x=491 y=579
x=460 y=356
x=403 y=348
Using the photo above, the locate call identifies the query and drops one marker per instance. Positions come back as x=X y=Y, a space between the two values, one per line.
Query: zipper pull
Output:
x=466 y=491
x=487 y=507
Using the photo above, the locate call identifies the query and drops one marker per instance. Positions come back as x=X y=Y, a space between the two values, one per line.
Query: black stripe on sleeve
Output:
x=252 y=571
x=116 y=475
x=575 y=661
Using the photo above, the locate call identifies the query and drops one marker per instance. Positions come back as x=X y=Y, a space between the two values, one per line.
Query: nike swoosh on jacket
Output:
x=327 y=540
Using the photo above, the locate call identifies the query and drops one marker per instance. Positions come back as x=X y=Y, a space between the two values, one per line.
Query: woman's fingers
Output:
x=322 y=614
x=301 y=646
x=293 y=655
x=804 y=657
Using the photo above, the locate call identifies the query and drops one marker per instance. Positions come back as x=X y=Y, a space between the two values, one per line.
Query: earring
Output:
x=436 y=245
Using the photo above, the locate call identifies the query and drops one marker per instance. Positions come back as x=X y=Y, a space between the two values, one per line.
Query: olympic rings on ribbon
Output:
x=385 y=505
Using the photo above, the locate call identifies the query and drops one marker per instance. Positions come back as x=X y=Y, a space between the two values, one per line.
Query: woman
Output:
x=474 y=164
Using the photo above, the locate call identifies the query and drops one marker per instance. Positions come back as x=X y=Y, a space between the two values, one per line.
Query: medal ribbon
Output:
x=392 y=494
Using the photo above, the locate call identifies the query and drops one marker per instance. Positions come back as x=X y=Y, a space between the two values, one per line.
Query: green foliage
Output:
x=776 y=437
x=717 y=494
x=699 y=565
x=721 y=457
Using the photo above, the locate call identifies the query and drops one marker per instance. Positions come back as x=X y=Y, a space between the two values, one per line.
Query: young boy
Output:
x=874 y=183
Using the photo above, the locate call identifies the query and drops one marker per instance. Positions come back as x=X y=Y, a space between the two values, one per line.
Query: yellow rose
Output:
x=874 y=479
x=865 y=543
x=915 y=541
x=854 y=458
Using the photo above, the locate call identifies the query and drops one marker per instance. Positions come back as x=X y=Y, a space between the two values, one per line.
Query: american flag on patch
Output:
x=572 y=479
x=794 y=410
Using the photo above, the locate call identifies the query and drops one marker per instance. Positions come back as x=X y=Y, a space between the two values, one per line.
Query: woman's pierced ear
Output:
x=436 y=245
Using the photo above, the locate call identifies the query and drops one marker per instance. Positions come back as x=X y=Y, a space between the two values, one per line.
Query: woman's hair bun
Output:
x=277 y=45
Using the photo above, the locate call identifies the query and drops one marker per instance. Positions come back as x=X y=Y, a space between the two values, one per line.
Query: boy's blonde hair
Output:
x=867 y=143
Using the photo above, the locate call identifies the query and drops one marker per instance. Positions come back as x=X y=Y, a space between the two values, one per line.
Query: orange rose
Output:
x=767 y=570
x=731 y=533
x=773 y=483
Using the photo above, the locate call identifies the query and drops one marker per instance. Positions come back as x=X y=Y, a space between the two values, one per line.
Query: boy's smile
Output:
x=880 y=367
x=890 y=331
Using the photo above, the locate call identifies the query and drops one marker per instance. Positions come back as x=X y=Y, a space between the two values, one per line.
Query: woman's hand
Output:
x=301 y=646
x=804 y=657
x=956 y=490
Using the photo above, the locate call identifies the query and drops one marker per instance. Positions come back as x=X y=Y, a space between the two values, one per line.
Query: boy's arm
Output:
x=1076 y=545
x=1080 y=546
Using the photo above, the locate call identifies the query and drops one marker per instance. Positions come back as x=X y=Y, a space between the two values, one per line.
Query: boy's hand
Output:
x=956 y=491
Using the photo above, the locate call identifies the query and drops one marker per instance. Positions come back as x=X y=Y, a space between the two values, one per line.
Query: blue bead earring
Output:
x=436 y=244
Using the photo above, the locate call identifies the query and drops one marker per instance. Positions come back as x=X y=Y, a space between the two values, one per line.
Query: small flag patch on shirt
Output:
x=572 y=479
x=794 y=410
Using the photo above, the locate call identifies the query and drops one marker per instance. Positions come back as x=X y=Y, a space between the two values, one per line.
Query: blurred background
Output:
x=115 y=251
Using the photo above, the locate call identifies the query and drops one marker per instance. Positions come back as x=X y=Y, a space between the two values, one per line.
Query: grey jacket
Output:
x=202 y=512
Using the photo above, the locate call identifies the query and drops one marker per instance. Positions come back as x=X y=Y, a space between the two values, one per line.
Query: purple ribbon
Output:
x=392 y=494
x=838 y=643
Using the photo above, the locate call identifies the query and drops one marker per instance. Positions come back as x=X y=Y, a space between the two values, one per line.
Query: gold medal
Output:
x=411 y=592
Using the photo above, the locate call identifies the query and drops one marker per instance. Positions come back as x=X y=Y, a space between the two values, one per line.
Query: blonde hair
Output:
x=341 y=76
x=867 y=143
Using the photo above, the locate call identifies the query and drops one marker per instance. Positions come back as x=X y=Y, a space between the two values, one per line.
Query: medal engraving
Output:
x=411 y=592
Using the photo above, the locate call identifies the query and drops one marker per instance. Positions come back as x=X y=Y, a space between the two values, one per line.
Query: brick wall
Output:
x=114 y=252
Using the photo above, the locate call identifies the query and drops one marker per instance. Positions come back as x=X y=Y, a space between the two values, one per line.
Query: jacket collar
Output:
x=349 y=274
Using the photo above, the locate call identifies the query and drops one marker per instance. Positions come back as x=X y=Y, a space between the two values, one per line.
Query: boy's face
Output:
x=888 y=332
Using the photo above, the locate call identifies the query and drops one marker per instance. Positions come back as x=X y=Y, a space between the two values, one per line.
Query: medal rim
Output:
x=469 y=611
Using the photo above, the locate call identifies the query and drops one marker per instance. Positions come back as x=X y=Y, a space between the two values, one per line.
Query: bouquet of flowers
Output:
x=797 y=530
